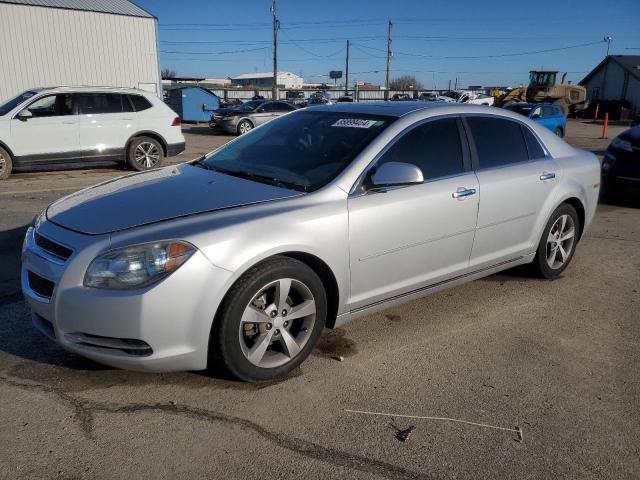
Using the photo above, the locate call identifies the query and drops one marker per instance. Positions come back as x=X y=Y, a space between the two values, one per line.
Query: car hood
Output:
x=155 y=196
x=632 y=135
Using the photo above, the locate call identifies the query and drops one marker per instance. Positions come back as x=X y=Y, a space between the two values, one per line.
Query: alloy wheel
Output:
x=147 y=155
x=560 y=241
x=277 y=323
x=244 y=127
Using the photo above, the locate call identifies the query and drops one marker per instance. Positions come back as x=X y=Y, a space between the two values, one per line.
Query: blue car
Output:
x=546 y=114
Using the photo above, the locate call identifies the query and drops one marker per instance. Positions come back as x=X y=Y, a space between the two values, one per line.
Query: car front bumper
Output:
x=164 y=327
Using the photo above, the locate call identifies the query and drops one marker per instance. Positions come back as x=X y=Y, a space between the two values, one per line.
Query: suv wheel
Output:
x=6 y=165
x=558 y=242
x=244 y=126
x=145 y=153
x=269 y=321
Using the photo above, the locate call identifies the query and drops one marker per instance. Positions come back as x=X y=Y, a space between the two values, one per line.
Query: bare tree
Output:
x=405 y=82
x=167 y=73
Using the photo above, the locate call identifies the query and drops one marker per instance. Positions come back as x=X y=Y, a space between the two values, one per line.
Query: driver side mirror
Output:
x=24 y=115
x=396 y=174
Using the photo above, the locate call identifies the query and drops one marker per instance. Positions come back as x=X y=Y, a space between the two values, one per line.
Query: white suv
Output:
x=77 y=124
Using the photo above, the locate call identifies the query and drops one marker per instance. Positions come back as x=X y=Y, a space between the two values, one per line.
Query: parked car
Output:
x=621 y=164
x=345 y=98
x=84 y=124
x=401 y=97
x=546 y=114
x=295 y=97
x=250 y=115
x=319 y=98
x=220 y=113
x=433 y=97
x=314 y=219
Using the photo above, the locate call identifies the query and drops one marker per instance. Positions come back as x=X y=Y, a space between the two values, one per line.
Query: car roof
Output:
x=400 y=109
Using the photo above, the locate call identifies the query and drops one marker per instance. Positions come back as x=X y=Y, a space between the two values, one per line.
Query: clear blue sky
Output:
x=220 y=39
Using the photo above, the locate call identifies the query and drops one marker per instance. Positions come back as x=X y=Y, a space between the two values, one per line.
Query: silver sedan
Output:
x=239 y=260
x=249 y=115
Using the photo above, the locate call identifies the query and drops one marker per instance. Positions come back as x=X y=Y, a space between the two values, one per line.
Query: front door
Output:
x=264 y=113
x=409 y=237
x=50 y=134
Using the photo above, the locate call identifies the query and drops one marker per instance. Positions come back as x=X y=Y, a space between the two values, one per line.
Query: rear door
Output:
x=405 y=238
x=516 y=177
x=107 y=120
x=50 y=134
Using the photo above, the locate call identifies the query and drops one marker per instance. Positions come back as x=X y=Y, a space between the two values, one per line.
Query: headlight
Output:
x=137 y=266
x=621 y=144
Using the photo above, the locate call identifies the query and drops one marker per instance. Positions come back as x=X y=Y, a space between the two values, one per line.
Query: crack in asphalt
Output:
x=85 y=411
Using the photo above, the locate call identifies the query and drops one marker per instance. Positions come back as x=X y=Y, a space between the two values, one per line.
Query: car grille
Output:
x=40 y=285
x=52 y=248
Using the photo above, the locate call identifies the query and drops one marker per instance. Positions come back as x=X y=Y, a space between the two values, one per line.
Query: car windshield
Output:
x=303 y=151
x=521 y=109
x=250 y=106
x=14 y=102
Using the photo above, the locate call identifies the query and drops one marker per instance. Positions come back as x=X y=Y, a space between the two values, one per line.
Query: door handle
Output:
x=547 y=176
x=463 y=192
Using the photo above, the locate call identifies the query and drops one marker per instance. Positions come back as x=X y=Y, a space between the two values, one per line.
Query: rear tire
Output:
x=255 y=314
x=6 y=165
x=558 y=242
x=145 y=153
x=559 y=132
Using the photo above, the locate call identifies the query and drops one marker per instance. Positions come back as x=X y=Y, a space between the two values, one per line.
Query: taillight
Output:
x=176 y=122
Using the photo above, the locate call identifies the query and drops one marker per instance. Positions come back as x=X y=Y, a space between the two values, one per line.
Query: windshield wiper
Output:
x=258 y=177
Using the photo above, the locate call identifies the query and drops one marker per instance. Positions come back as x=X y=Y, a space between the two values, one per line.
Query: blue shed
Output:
x=193 y=104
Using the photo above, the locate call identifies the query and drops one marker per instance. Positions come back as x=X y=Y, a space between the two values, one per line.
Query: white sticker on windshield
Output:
x=354 y=123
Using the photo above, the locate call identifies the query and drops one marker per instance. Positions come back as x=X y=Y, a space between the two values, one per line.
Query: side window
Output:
x=533 y=145
x=139 y=103
x=52 y=106
x=498 y=141
x=548 y=112
x=95 y=103
x=283 y=107
x=126 y=104
x=434 y=147
x=268 y=107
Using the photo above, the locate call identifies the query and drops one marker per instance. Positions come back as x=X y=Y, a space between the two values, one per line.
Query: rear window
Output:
x=139 y=102
x=499 y=142
x=96 y=103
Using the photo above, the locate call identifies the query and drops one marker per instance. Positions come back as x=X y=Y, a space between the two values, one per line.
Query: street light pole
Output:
x=386 y=92
x=346 y=76
x=276 y=26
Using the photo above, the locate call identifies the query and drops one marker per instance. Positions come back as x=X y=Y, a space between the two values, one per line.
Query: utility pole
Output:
x=608 y=40
x=449 y=84
x=346 y=75
x=386 y=92
x=276 y=26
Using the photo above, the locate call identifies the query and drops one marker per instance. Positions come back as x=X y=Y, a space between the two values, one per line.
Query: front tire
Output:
x=269 y=322
x=145 y=153
x=559 y=132
x=558 y=242
x=6 y=165
x=245 y=126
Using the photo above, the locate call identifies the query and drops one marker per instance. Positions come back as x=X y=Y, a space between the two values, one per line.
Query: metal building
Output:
x=617 y=77
x=46 y=43
x=265 y=80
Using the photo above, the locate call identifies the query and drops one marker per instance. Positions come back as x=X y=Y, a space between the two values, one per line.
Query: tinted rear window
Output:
x=498 y=141
x=95 y=103
x=139 y=102
x=533 y=145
